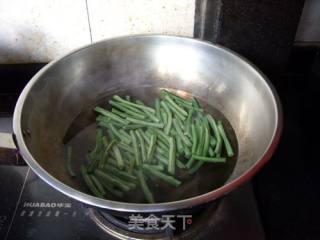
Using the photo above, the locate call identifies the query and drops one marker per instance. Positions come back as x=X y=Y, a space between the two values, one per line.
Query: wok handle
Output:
x=9 y=154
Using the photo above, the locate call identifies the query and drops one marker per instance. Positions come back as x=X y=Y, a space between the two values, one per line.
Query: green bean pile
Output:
x=135 y=142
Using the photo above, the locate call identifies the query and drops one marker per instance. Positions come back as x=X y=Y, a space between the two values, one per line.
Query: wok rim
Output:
x=144 y=207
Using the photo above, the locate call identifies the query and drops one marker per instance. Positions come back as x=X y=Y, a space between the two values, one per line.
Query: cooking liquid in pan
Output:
x=209 y=177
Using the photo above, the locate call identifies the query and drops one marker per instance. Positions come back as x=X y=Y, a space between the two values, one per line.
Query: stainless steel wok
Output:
x=58 y=102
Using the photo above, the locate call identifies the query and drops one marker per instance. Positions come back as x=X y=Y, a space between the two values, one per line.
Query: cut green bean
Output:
x=168 y=125
x=176 y=97
x=121 y=180
x=135 y=148
x=190 y=107
x=211 y=152
x=125 y=134
x=161 y=150
x=144 y=136
x=150 y=115
x=113 y=180
x=173 y=132
x=89 y=182
x=110 y=134
x=149 y=132
x=126 y=161
x=142 y=146
x=187 y=152
x=169 y=179
x=124 y=137
x=189 y=122
x=209 y=159
x=106 y=153
x=118 y=156
x=93 y=162
x=215 y=129
x=206 y=141
x=213 y=142
x=180 y=147
x=157 y=107
x=187 y=103
x=132 y=127
x=196 y=167
x=200 y=141
x=130 y=108
x=172 y=156
x=105 y=141
x=129 y=111
x=96 y=154
x=195 y=102
x=122 y=174
x=99 y=142
x=104 y=121
x=176 y=113
x=126 y=147
x=131 y=162
x=145 y=123
x=218 y=147
x=158 y=167
x=227 y=144
x=99 y=186
x=152 y=147
x=103 y=125
x=119 y=99
x=119 y=113
x=184 y=138
x=175 y=106
x=190 y=162
x=180 y=164
x=147 y=193
x=111 y=115
x=194 y=138
x=182 y=125
x=183 y=102
x=162 y=136
x=109 y=188
x=161 y=158
x=163 y=115
x=111 y=162
x=201 y=133
x=163 y=146
x=69 y=161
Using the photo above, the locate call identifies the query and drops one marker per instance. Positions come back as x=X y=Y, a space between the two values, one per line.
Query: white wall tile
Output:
x=110 y=18
x=39 y=31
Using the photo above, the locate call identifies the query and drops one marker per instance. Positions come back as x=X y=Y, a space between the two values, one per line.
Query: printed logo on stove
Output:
x=46 y=205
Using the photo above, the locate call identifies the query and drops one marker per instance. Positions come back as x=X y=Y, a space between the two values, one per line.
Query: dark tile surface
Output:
x=13 y=79
x=11 y=182
x=287 y=189
x=31 y=209
x=59 y=218
x=262 y=31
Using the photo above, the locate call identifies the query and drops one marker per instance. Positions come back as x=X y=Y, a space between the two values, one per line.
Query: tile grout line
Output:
x=16 y=208
x=88 y=17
